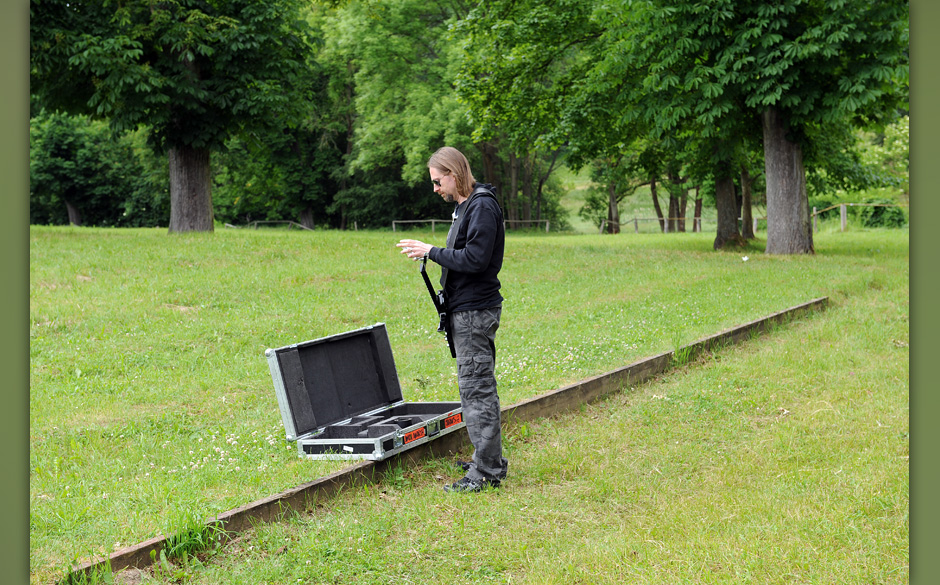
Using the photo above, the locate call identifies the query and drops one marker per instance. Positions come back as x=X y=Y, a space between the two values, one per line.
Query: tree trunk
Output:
x=527 y=195
x=349 y=91
x=673 y=219
x=306 y=218
x=511 y=211
x=677 y=202
x=490 y=170
x=789 y=229
x=75 y=216
x=613 y=210
x=542 y=180
x=747 y=216
x=683 y=209
x=697 y=221
x=190 y=190
x=659 y=210
x=726 y=204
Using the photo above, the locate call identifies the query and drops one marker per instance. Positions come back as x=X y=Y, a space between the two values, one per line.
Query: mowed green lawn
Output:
x=781 y=460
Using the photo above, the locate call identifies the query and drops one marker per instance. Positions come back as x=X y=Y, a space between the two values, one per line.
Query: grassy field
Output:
x=151 y=404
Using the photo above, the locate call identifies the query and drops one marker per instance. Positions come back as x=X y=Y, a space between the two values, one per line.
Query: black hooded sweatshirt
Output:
x=474 y=253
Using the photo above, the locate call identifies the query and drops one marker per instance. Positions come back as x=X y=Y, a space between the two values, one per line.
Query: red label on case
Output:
x=453 y=420
x=414 y=435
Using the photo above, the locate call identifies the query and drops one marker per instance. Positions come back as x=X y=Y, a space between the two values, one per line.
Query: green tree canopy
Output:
x=194 y=71
x=83 y=174
x=728 y=66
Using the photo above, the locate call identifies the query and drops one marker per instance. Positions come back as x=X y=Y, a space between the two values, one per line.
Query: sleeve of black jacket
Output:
x=476 y=258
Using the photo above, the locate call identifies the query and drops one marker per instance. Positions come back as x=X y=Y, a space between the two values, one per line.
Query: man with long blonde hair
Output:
x=470 y=264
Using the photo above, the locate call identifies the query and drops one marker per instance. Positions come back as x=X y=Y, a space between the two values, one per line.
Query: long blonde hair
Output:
x=449 y=160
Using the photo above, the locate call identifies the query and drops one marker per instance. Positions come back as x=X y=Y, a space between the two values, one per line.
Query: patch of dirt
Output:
x=130 y=577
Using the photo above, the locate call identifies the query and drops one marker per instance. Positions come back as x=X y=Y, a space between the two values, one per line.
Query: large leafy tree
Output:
x=81 y=174
x=818 y=62
x=520 y=60
x=782 y=67
x=293 y=171
x=390 y=63
x=194 y=71
x=402 y=62
x=621 y=109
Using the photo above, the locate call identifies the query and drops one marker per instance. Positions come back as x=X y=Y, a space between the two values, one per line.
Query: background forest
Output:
x=324 y=113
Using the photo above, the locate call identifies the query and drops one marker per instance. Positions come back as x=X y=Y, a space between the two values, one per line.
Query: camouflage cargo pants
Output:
x=474 y=339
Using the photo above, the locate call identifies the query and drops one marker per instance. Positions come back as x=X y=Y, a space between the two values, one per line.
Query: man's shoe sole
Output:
x=470 y=486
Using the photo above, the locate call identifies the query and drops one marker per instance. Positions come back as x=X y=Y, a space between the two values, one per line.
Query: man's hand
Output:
x=414 y=249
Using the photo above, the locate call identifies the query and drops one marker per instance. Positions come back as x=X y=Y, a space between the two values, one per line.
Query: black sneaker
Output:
x=465 y=465
x=465 y=484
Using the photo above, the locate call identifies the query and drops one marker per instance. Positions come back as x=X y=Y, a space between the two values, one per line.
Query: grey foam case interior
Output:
x=337 y=378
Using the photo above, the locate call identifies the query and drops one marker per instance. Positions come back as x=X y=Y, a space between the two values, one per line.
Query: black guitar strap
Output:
x=440 y=304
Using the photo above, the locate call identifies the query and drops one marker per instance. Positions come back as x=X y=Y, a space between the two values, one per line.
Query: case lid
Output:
x=332 y=379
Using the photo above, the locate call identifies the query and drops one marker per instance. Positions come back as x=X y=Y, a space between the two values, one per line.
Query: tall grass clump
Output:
x=149 y=392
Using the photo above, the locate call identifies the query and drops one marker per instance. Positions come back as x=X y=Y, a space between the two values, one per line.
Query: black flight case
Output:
x=340 y=398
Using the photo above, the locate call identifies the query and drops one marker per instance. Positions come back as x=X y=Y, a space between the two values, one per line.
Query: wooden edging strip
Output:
x=567 y=398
